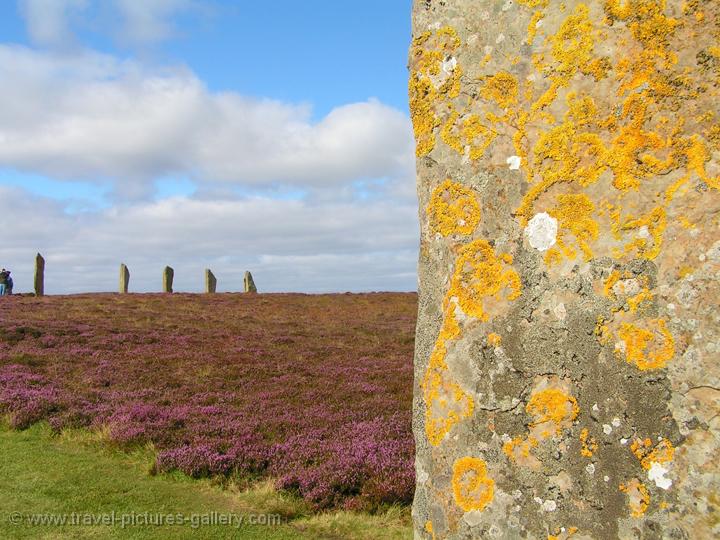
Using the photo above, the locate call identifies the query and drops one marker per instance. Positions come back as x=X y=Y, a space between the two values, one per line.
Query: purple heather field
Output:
x=314 y=391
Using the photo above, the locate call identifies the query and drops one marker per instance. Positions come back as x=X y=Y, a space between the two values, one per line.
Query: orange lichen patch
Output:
x=519 y=450
x=422 y=97
x=643 y=296
x=574 y=215
x=568 y=153
x=572 y=45
x=446 y=403
x=479 y=274
x=612 y=279
x=453 y=209
x=429 y=529
x=430 y=84
x=472 y=488
x=685 y=223
x=602 y=331
x=534 y=3
x=563 y=534
x=684 y=271
x=533 y=26
x=553 y=407
x=653 y=224
x=494 y=339
x=645 y=348
x=662 y=452
x=469 y=133
x=589 y=444
x=628 y=155
x=638 y=497
x=553 y=256
x=502 y=88
x=697 y=155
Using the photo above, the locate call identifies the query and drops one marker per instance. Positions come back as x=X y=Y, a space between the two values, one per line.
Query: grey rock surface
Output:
x=567 y=382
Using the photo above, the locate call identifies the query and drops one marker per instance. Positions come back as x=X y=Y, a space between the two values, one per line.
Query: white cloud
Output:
x=91 y=116
x=94 y=117
x=48 y=21
x=288 y=245
x=149 y=21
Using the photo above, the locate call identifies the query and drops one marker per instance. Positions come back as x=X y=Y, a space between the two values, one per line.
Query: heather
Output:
x=313 y=391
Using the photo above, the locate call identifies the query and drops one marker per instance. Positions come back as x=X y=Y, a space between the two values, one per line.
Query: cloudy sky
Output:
x=207 y=134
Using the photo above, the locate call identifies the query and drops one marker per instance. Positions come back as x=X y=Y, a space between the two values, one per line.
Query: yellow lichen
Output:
x=429 y=84
x=533 y=26
x=645 y=348
x=589 y=444
x=534 y=3
x=494 y=339
x=574 y=214
x=446 y=403
x=573 y=44
x=502 y=88
x=662 y=452
x=643 y=296
x=612 y=279
x=653 y=224
x=469 y=133
x=453 y=209
x=554 y=406
x=638 y=497
x=480 y=274
x=519 y=449
x=472 y=488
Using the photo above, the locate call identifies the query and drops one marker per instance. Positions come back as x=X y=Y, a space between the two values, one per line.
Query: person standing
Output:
x=4 y=275
x=9 y=284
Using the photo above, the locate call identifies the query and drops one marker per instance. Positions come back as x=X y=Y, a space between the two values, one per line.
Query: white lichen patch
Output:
x=657 y=474
x=541 y=231
x=607 y=429
x=590 y=469
x=449 y=65
x=473 y=518
x=514 y=162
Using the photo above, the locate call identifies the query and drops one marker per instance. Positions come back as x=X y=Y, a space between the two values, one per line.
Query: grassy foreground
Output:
x=76 y=472
x=312 y=391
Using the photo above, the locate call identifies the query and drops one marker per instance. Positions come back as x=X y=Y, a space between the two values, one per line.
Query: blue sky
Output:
x=316 y=51
x=128 y=116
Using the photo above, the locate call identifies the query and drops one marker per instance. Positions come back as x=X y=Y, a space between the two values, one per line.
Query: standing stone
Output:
x=124 y=279
x=39 y=280
x=210 y=281
x=567 y=382
x=249 y=283
x=167 y=282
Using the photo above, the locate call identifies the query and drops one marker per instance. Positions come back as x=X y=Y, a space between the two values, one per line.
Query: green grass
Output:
x=76 y=471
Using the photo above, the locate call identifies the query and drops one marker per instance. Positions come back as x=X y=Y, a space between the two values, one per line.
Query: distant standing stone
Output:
x=168 y=275
x=210 y=281
x=39 y=275
x=124 y=279
x=249 y=282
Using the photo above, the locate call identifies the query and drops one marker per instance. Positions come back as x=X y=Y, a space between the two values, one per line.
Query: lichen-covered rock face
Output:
x=566 y=367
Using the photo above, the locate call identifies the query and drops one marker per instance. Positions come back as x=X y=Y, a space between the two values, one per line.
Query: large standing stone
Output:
x=249 y=283
x=167 y=282
x=124 y=279
x=567 y=373
x=39 y=279
x=210 y=281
